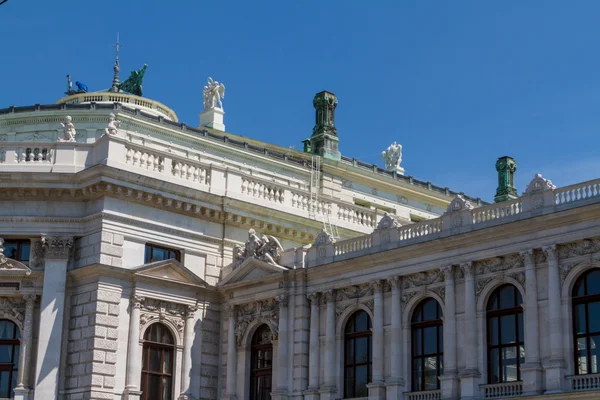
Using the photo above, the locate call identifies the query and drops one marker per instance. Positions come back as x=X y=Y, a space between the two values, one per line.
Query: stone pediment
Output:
x=251 y=268
x=170 y=270
x=12 y=267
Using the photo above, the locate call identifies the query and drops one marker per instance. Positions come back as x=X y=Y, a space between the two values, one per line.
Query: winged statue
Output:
x=213 y=94
x=133 y=84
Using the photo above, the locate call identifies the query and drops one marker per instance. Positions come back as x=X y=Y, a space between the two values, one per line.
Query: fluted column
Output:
x=22 y=389
x=231 y=381
x=188 y=340
x=314 y=353
x=531 y=370
x=395 y=384
x=449 y=381
x=555 y=367
x=470 y=377
x=282 y=346
x=134 y=358
x=329 y=387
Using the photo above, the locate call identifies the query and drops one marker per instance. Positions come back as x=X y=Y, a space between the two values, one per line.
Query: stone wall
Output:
x=99 y=247
x=209 y=369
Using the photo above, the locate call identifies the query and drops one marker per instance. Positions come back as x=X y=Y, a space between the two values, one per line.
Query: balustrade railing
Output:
x=144 y=159
x=496 y=211
x=580 y=191
x=263 y=191
x=357 y=216
x=34 y=154
x=424 y=395
x=499 y=390
x=193 y=173
x=420 y=229
x=584 y=382
x=352 y=245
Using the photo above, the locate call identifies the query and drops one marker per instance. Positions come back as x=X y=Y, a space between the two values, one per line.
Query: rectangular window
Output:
x=17 y=249
x=158 y=253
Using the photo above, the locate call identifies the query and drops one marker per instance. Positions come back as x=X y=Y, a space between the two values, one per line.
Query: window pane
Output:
x=10 y=250
x=594 y=316
x=430 y=340
x=16 y=354
x=507 y=297
x=7 y=329
x=440 y=338
x=362 y=322
x=362 y=378
x=520 y=319
x=493 y=327
x=582 y=356
x=153 y=385
x=431 y=380
x=349 y=351
x=593 y=282
x=166 y=386
x=5 y=353
x=166 y=362
x=349 y=382
x=159 y=254
x=154 y=364
x=509 y=364
x=594 y=352
x=508 y=329
x=5 y=384
x=494 y=366
x=417 y=374
x=24 y=251
x=430 y=310
x=362 y=347
x=417 y=344
x=147 y=254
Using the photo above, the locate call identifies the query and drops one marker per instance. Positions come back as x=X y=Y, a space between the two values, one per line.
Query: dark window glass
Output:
x=158 y=253
x=261 y=364
x=358 y=355
x=505 y=335
x=427 y=346
x=10 y=347
x=17 y=249
x=157 y=363
x=586 y=322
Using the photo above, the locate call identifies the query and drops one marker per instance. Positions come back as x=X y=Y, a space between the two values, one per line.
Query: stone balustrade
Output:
x=496 y=211
x=581 y=191
x=264 y=191
x=357 y=215
x=424 y=395
x=584 y=382
x=499 y=390
x=139 y=157
x=190 y=172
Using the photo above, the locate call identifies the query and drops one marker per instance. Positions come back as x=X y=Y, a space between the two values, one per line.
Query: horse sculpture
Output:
x=133 y=84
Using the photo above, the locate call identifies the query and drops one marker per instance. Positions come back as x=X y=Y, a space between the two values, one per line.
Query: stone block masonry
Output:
x=92 y=346
x=100 y=247
x=209 y=370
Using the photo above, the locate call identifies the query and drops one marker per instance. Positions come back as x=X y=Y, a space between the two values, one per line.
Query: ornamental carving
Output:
x=459 y=203
x=481 y=284
x=57 y=247
x=519 y=277
x=498 y=264
x=440 y=291
x=265 y=311
x=580 y=248
x=324 y=238
x=539 y=184
x=423 y=278
x=154 y=310
x=266 y=248
x=354 y=292
x=406 y=297
x=37 y=255
x=388 y=222
x=7 y=263
x=13 y=309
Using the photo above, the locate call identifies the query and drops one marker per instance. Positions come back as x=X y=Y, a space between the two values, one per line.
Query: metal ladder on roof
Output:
x=315 y=183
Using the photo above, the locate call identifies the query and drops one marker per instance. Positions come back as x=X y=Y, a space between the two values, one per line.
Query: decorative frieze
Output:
x=423 y=278
x=481 y=284
x=406 y=297
x=579 y=248
x=13 y=309
x=153 y=310
x=497 y=264
x=57 y=247
x=266 y=311
x=354 y=292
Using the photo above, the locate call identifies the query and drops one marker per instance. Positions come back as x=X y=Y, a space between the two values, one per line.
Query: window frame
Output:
x=13 y=366
x=354 y=365
x=148 y=345
x=151 y=246
x=20 y=243
x=586 y=300
x=418 y=327
x=499 y=313
x=257 y=373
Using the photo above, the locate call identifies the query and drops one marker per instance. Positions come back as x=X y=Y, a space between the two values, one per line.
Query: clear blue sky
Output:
x=458 y=83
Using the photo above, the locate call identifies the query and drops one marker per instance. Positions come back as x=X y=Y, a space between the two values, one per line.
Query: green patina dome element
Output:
x=324 y=140
x=506 y=167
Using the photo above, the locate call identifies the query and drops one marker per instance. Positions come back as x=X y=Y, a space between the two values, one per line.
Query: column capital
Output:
x=30 y=298
x=377 y=285
x=283 y=300
x=190 y=311
x=448 y=271
x=395 y=282
x=230 y=309
x=328 y=296
x=551 y=252
x=57 y=247
x=136 y=301
x=313 y=298
x=527 y=257
x=467 y=267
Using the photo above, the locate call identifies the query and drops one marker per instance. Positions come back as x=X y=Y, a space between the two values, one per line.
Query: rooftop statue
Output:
x=133 y=84
x=113 y=125
x=392 y=157
x=69 y=129
x=266 y=248
x=213 y=93
x=81 y=87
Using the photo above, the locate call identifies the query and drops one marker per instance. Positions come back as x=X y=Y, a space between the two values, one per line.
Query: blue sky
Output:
x=458 y=84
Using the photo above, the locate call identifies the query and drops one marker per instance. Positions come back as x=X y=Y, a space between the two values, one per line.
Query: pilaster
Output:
x=231 y=389
x=23 y=390
x=469 y=379
x=449 y=381
x=188 y=339
x=328 y=388
x=395 y=383
x=314 y=354
x=133 y=370
x=281 y=393
x=531 y=371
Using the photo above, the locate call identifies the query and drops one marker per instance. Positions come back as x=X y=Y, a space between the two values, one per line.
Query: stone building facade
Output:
x=144 y=259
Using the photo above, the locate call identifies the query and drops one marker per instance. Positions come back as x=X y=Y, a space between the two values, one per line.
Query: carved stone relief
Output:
x=354 y=292
x=498 y=264
x=12 y=308
x=266 y=311
x=388 y=221
x=423 y=278
x=153 y=310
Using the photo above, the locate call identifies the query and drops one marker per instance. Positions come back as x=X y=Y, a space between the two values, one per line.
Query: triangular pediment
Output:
x=170 y=270
x=250 y=269
x=8 y=266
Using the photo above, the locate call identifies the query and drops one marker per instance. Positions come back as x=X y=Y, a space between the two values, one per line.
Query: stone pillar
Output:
x=470 y=377
x=555 y=366
x=134 y=357
x=328 y=388
x=377 y=387
x=188 y=340
x=395 y=384
x=531 y=371
x=23 y=389
x=231 y=356
x=314 y=349
x=57 y=250
x=449 y=381
x=282 y=350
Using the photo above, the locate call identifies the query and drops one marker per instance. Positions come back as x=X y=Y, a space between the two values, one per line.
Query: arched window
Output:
x=586 y=322
x=157 y=363
x=261 y=359
x=358 y=355
x=427 y=346
x=505 y=344
x=10 y=347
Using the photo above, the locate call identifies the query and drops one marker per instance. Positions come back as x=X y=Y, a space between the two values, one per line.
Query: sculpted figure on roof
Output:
x=392 y=156
x=69 y=130
x=213 y=93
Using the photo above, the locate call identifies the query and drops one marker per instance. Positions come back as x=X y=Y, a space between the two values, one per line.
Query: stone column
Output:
x=231 y=356
x=282 y=349
x=134 y=357
x=188 y=340
x=531 y=371
x=555 y=366
x=377 y=387
x=22 y=390
x=328 y=388
x=395 y=384
x=470 y=377
x=57 y=251
x=314 y=350
x=449 y=381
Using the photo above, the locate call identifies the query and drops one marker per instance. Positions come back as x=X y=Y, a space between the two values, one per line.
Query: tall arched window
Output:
x=157 y=363
x=358 y=355
x=261 y=359
x=10 y=347
x=586 y=322
x=505 y=344
x=427 y=346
